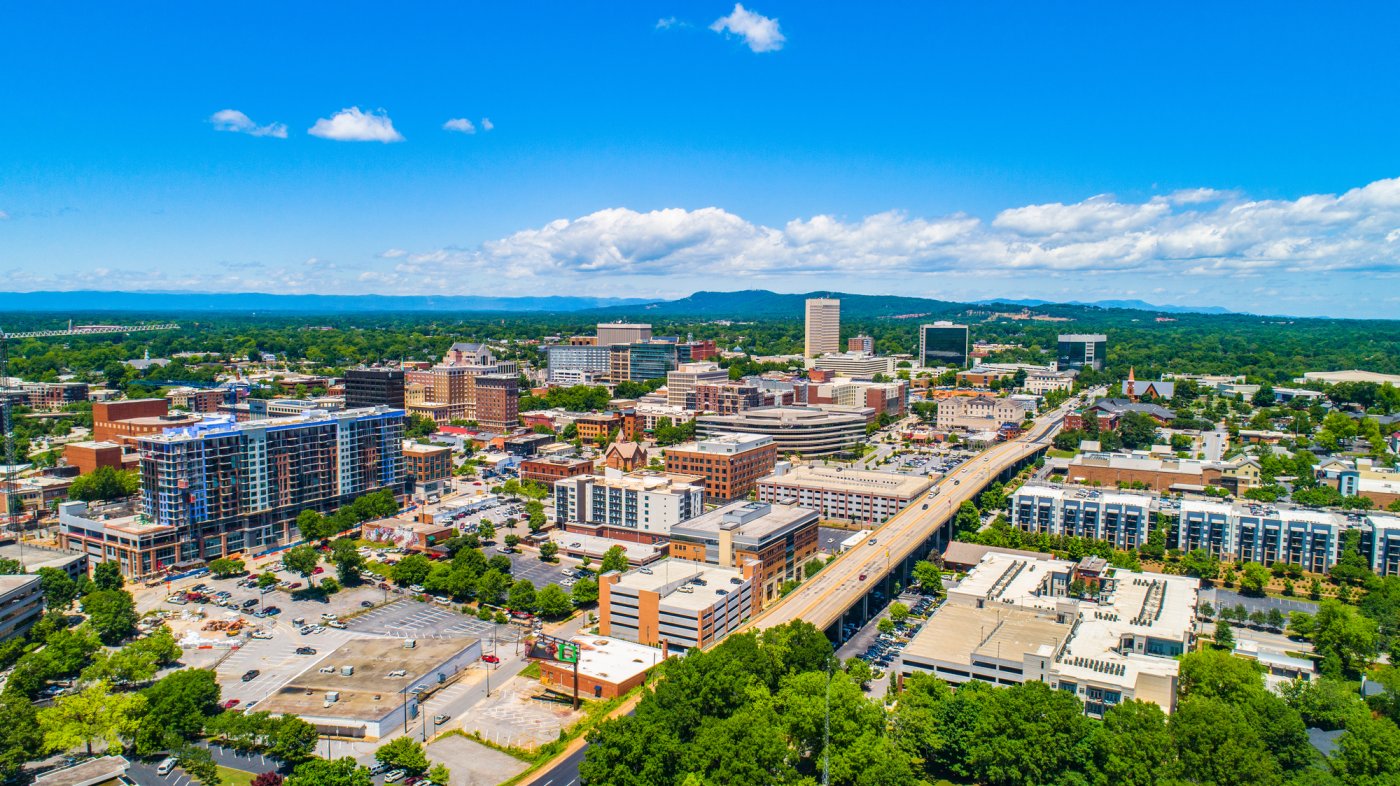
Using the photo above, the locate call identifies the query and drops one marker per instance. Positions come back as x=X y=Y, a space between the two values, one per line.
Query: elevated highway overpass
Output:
x=855 y=585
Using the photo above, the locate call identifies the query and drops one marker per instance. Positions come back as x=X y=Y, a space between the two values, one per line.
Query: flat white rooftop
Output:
x=852 y=481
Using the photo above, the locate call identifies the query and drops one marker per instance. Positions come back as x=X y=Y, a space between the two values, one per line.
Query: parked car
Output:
x=365 y=604
x=250 y=675
x=490 y=659
x=337 y=624
x=306 y=650
x=394 y=776
x=438 y=720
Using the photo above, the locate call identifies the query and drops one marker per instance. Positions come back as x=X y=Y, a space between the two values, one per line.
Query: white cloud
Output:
x=761 y=33
x=392 y=253
x=352 y=125
x=486 y=124
x=239 y=123
x=1314 y=234
x=459 y=124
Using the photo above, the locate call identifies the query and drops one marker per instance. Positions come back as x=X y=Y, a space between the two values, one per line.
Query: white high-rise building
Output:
x=823 y=326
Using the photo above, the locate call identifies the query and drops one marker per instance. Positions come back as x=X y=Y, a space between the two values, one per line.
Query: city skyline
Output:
x=637 y=151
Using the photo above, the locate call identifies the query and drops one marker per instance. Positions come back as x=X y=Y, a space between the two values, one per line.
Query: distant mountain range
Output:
x=1132 y=305
x=306 y=304
x=740 y=305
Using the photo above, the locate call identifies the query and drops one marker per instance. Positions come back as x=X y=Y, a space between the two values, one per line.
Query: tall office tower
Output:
x=368 y=387
x=823 y=326
x=1083 y=350
x=623 y=333
x=498 y=401
x=943 y=344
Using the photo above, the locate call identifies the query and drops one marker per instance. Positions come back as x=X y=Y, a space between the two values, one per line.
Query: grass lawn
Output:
x=232 y=777
x=1057 y=453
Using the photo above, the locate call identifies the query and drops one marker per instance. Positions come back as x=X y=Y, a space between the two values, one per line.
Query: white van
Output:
x=166 y=765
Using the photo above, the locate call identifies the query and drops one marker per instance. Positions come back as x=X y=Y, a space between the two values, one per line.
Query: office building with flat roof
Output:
x=979 y=413
x=781 y=538
x=642 y=506
x=809 y=431
x=1082 y=350
x=681 y=384
x=374 y=386
x=427 y=463
x=623 y=333
x=21 y=604
x=680 y=603
x=943 y=344
x=854 y=364
x=548 y=469
x=730 y=464
x=1011 y=619
x=568 y=363
x=607 y=668
x=841 y=493
x=822 y=326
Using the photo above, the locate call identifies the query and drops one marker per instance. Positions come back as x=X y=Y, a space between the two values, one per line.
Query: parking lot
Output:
x=411 y=619
x=882 y=650
x=276 y=661
x=829 y=538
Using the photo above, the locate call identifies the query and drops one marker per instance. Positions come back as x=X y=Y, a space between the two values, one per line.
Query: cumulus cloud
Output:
x=1225 y=235
x=459 y=124
x=759 y=32
x=486 y=124
x=239 y=123
x=667 y=23
x=353 y=125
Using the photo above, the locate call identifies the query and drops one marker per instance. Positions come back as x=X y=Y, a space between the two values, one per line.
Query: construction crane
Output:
x=7 y=404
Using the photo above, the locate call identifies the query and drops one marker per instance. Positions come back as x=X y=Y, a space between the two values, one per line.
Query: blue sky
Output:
x=1241 y=155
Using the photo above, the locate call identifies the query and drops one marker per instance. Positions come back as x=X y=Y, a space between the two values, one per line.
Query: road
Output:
x=830 y=593
x=564 y=772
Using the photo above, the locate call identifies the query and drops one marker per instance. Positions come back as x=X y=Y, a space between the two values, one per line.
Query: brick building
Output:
x=426 y=463
x=731 y=464
x=548 y=470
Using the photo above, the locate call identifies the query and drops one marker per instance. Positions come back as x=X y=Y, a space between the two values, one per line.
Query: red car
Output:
x=318 y=571
x=862 y=577
x=490 y=658
x=230 y=704
x=294 y=585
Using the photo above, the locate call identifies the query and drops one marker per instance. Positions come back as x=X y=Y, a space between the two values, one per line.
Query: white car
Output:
x=337 y=624
x=394 y=776
x=261 y=634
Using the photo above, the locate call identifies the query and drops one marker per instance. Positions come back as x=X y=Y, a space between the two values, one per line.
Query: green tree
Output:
x=1254 y=578
x=340 y=772
x=107 y=576
x=1368 y=752
x=104 y=483
x=614 y=559
x=492 y=587
x=224 y=567
x=486 y=531
x=1341 y=633
x=59 y=590
x=1135 y=748
x=112 y=614
x=1200 y=563
x=1217 y=744
x=859 y=672
x=548 y=550
x=302 y=560
x=553 y=602
x=1218 y=674
x=93 y=714
x=268 y=579
x=292 y=739
x=21 y=740
x=177 y=707
x=439 y=773
x=885 y=625
x=1029 y=734
x=522 y=596
x=585 y=592
x=410 y=570
x=348 y=562
x=899 y=612
x=199 y=764
x=1224 y=637
x=403 y=753
x=928 y=577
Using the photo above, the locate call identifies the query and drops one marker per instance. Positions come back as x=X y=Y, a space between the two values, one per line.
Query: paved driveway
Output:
x=1218 y=597
x=411 y=619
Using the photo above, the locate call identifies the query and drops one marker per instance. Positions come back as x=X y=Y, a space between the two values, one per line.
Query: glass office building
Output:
x=943 y=344
x=1083 y=350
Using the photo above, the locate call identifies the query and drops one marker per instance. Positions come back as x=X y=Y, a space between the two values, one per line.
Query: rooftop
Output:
x=852 y=480
x=647 y=480
x=725 y=444
x=369 y=693
x=612 y=659
x=225 y=424
x=956 y=633
x=667 y=577
x=595 y=546
x=93 y=772
x=747 y=521
x=783 y=416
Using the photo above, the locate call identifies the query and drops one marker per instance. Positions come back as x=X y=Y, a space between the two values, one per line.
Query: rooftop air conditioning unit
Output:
x=409 y=644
